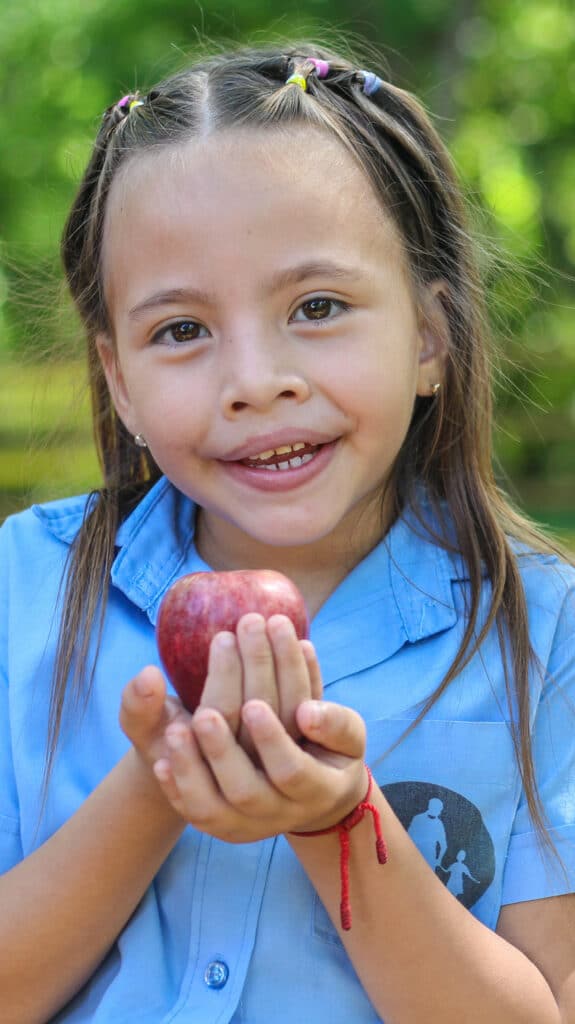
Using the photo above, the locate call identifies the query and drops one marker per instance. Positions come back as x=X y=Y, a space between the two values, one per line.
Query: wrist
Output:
x=145 y=786
x=330 y=822
x=343 y=828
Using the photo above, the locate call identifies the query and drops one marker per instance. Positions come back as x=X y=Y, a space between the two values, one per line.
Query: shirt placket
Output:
x=228 y=891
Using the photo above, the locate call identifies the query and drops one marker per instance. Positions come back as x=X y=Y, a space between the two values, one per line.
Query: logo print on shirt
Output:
x=449 y=832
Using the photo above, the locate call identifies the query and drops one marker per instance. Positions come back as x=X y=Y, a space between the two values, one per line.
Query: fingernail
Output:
x=225 y=640
x=281 y=626
x=162 y=770
x=176 y=739
x=206 y=722
x=315 y=713
x=142 y=687
x=255 y=624
x=253 y=713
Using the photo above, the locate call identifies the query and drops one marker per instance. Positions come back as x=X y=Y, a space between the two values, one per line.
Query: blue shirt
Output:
x=237 y=933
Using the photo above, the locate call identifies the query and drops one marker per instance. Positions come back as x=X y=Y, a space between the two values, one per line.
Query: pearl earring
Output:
x=140 y=440
x=435 y=388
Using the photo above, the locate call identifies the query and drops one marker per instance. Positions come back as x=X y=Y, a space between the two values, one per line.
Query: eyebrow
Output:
x=278 y=281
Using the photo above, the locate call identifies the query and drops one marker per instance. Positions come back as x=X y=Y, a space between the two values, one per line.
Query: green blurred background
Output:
x=498 y=74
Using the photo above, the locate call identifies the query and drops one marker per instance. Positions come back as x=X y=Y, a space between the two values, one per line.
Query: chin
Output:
x=286 y=535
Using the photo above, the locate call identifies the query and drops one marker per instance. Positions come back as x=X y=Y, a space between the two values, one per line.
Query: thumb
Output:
x=332 y=726
x=142 y=708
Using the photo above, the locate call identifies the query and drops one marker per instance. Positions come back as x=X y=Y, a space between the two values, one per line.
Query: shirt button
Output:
x=216 y=974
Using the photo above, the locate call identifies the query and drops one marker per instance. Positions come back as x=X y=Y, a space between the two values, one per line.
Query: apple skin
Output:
x=201 y=604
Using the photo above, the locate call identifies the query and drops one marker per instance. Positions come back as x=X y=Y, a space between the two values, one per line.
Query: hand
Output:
x=215 y=785
x=266 y=661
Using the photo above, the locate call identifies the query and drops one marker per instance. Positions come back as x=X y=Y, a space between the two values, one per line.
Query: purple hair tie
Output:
x=371 y=83
x=321 y=67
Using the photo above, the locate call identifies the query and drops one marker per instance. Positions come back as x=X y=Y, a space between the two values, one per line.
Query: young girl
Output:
x=288 y=371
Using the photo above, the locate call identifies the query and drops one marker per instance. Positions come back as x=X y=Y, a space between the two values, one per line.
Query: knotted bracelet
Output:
x=343 y=828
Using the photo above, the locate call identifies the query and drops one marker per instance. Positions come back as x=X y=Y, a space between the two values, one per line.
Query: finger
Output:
x=257 y=660
x=181 y=801
x=189 y=781
x=317 y=792
x=289 y=768
x=291 y=669
x=332 y=726
x=241 y=784
x=165 y=776
x=142 y=705
x=314 y=671
x=223 y=687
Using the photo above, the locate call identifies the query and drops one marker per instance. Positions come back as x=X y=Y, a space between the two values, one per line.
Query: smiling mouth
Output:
x=287 y=456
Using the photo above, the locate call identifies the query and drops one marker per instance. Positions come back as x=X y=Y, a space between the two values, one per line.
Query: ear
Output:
x=433 y=335
x=115 y=380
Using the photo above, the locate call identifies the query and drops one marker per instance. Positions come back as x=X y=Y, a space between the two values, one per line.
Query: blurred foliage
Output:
x=46 y=447
x=499 y=75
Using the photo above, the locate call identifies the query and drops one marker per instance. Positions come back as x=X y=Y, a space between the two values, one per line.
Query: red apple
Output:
x=199 y=605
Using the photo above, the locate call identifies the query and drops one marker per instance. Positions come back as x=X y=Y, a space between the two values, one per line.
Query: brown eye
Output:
x=320 y=309
x=317 y=309
x=187 y=330
x=180 y=333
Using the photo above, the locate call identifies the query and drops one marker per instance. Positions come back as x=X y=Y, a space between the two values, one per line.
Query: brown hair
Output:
x=448 y=445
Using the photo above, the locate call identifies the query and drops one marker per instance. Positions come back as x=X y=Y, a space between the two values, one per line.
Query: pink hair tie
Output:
x=321 y=67
x=128 y=101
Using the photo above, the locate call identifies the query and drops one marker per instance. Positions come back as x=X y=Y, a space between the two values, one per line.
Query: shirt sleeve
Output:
x=10 y=845
x=532 y=871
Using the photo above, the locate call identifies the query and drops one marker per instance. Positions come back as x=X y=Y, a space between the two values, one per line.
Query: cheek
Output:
x=382 y=387
x=170 y=404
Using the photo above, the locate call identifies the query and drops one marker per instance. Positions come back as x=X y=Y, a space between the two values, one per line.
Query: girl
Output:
x=288 y=370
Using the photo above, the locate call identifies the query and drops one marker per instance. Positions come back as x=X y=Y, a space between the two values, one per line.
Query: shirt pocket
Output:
x=455 y=787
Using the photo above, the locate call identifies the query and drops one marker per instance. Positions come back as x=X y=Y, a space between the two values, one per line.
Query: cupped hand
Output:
x=295 y=786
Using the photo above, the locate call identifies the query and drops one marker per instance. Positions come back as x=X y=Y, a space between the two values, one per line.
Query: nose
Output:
x=258 y=373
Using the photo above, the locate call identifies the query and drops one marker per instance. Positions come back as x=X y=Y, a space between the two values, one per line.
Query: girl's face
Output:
x=266 y=341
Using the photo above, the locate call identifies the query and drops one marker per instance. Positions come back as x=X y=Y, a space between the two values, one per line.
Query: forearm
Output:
x=421 y=956
x=65 y=904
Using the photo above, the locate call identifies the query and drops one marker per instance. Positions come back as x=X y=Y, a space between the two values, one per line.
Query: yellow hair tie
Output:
x=298 y=80
x=136 y=103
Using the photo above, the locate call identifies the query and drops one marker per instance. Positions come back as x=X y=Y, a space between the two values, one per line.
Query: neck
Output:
x=316 y=568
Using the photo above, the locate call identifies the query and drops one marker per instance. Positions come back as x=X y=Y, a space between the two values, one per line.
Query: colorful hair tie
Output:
x=124 y=101
x=321 y=67
x=371 y=83
x=136 y=103
x=298 y=80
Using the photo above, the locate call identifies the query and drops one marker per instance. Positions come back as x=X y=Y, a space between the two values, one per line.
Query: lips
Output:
x=283 y=470
x=291 y=442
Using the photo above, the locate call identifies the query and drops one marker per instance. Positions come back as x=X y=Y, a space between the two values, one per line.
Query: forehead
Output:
x=263 y=190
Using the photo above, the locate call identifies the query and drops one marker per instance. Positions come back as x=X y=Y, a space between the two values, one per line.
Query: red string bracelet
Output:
x=343 y=828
